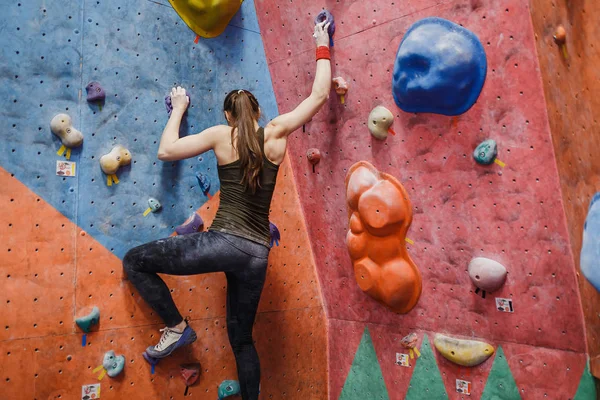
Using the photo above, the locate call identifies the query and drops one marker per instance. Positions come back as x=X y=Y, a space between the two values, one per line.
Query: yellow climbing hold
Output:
x=208 y=18
x=467 y=353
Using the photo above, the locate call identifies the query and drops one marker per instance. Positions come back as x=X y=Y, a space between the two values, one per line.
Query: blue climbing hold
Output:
x=440 y=68
x=228 y=388
x=204 y=182
x=590 y=249
x=113 y=364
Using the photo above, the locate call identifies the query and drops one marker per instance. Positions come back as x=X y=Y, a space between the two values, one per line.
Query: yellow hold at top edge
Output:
x=207 y=18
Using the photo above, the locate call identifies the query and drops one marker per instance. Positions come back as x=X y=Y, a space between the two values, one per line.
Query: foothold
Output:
x=380 y=214
x=313 y=156
x=275 y=234
x=327 y=17
x=154 y=205
x=111 y=162
x=192 y=225
x=341 y=88
x=95 y=92
x=410 y=342
x=113 y=364
x=207 y=18
x=440 y=68
x=560 y=36
x=62 y=126
x=486 y=152
x=228 y=388
x=380 y=122
x=467 y=353
x=169 y=104
x=85 y=323
x=204 y=183
x=590 y=250
x=190 y=373
x=488 y=275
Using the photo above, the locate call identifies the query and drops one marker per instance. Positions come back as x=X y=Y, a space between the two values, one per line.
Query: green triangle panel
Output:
x=500 y=384
x=365 y=380
x=426 y=381
x=587 y=386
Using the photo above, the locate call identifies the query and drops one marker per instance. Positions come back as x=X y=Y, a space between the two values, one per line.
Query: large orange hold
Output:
x=208 y=18
x=380 y=214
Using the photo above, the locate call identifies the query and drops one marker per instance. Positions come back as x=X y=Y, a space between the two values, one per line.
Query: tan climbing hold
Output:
x=62 y=126
x=111 y=162
x=380 y=122
x=467 y=353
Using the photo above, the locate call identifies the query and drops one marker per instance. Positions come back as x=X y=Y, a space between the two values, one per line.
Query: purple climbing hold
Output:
x=275 y=235
x=169 y=104
x=192 y=225
x=326 y=16
x=95 y=93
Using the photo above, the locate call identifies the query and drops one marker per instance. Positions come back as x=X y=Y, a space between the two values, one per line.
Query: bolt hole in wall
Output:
x=136 y=62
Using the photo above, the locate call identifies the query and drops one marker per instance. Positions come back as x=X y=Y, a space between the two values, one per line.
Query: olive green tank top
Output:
x=240 y=212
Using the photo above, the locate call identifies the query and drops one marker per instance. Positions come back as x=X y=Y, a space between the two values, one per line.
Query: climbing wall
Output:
x=64 y=237
x=461 y=210
x=570 y=85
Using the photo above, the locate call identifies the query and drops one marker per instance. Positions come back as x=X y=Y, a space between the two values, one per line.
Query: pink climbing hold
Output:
x=486 y=274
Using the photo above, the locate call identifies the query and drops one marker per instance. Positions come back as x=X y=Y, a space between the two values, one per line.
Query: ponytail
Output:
x=244 y=110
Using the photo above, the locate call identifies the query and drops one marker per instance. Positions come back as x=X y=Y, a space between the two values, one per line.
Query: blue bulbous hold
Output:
x=590 y=249
x=440 y=68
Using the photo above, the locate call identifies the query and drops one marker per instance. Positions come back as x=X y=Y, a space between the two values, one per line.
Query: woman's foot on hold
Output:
x=171 y=340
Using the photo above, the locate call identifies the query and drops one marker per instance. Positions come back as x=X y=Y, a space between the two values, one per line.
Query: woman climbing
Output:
x=237 y=242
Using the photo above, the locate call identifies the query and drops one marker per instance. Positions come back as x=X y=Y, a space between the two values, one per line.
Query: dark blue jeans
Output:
x=245 y=265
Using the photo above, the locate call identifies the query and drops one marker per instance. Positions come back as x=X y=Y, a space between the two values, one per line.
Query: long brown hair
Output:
x=244 y=110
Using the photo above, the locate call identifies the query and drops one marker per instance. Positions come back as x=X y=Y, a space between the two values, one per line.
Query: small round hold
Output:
x=560 y=36
x=340 y=85
x=82 y=233
x=314 y=156
x=95 y=92
x=154 y=205
x=380 y=122
x=485 y=153
x=374 y=22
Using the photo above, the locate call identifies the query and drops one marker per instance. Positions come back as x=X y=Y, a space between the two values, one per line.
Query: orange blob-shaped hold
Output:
x=380 y=214
x=560 y=36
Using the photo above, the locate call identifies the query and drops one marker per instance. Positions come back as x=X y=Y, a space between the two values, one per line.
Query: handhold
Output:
x=440 y=68
x=62 y=126
x=111 y=162
x=380 y=122
x=190 y=373
x=275 y=235
x=327 y=17
x=380 y=214
x=85 y=323
x=113 y=364
x=313 y=156
x=228 y=388
x=192 y=225
x=590 y=249
x=409 y=341
x=486 y=274
x=341 y=88
x=169 y=104
x=204 y=183
x=560 y=36
x=485 y=153
x=154 y=205
x=207 y=18
x=467 y=353
x=95 y=92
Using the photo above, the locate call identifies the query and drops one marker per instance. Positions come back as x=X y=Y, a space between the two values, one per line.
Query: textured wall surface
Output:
x=63 y=238
x=461 y=210
x=571 y=86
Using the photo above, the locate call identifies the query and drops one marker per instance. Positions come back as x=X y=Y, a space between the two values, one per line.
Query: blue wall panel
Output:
x=137 y=51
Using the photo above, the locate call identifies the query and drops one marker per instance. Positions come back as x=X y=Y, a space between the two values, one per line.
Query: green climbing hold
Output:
x=228 y=388
x=500 y=383
x=426 y=381
x=587 y=386
x=365 y=379
x=86 y=323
